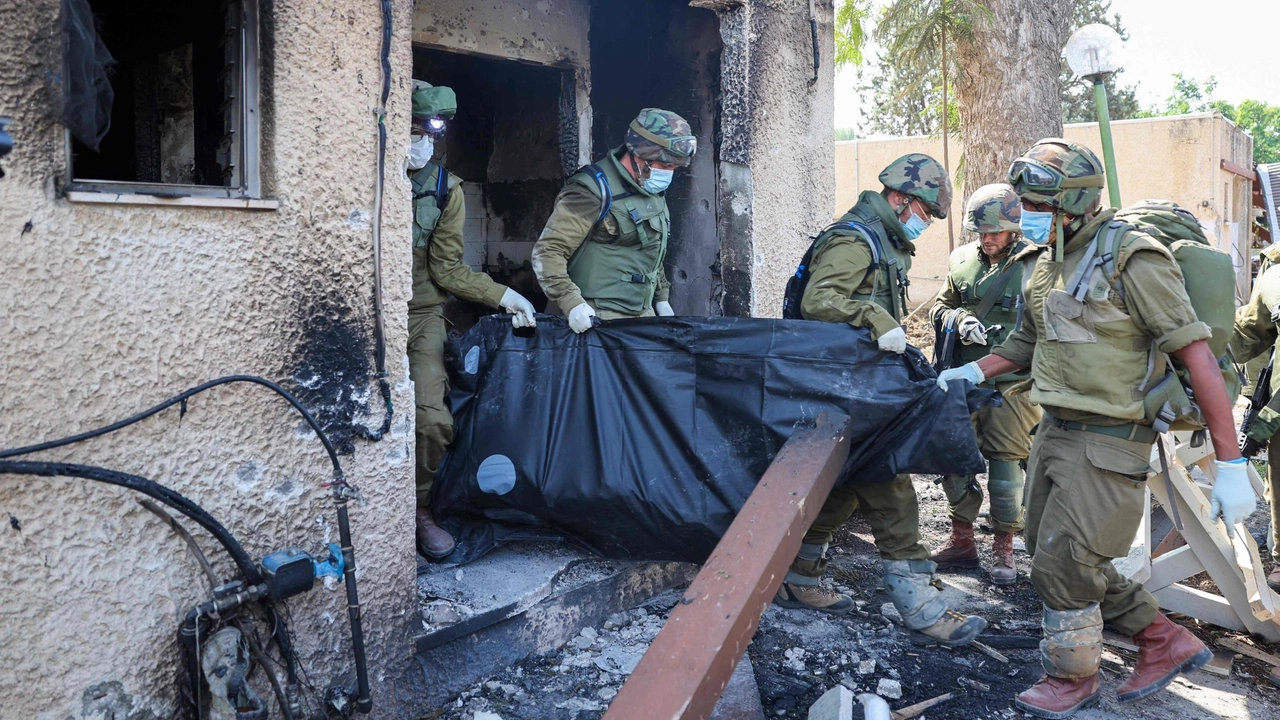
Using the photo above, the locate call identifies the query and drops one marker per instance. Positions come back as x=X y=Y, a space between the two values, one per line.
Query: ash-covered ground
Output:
x=798 y=655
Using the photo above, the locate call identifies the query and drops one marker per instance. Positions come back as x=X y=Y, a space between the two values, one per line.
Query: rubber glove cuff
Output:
x=968 y=371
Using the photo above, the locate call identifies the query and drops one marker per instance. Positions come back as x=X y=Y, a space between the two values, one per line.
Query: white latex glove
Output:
x=894 y=341
x=521 y=310
x=972 y=332
x=580 y=318
x=970 y=372
x=663 y=309
x=1233 y=496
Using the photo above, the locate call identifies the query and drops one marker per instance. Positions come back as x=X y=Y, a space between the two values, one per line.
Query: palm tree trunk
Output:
x=946 y=152
x=1006 y=111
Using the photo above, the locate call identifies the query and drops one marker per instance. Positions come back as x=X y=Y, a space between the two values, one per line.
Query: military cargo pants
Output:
x=433 y=423
x=891 y=509
x=1004 y=434
x=1085 y=493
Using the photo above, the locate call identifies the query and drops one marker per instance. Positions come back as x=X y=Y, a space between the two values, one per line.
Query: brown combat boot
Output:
x=1003 y=569
x=1165 y=650
x=952 y=630
x=960 y=551
x=812 y=597
x=1274 y=578
x=1057 y=698
x=433 y=541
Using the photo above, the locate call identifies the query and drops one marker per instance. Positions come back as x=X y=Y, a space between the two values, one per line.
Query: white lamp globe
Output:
x=1093 y=51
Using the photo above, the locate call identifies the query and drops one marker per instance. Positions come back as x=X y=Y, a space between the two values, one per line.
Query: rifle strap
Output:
x=994 y=293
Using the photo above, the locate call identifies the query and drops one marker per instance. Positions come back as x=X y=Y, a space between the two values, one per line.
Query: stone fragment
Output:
x=589 y=633
x=606 y=693
x=866 y=667
x=889 y=611
x=891 y=689
x=485 y=715
x=835 y=704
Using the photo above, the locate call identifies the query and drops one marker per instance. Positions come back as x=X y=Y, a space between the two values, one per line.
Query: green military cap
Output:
x=661 y=136
x=1060 y=173
x=993 y=208
x=431 y=101
x=920 y=176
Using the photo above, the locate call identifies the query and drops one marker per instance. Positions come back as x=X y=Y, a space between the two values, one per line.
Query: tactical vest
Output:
x=973 y=278
x=618 y=265
x=1089 y=354
x=886 y=283
x=431 y=187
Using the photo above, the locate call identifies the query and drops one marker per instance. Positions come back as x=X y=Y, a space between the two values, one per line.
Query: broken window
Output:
x=161 y=98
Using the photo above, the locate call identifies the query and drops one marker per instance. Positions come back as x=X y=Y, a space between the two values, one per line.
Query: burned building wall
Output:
x=110 y=307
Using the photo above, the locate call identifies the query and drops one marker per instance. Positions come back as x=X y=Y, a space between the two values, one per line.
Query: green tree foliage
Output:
x=850 y=36
x=1260 y=119
x=1263 y=122
x=846 y=134
x=902 y=99
x=1077 y=94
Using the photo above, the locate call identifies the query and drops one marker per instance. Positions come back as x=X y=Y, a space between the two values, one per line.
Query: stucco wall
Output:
x=548 y=32
x=1176 y=158
x=791 y=153
x=109 y=309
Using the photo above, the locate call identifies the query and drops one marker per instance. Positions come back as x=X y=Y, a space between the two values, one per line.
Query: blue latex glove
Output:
x=1233 y=497
x=970 y=372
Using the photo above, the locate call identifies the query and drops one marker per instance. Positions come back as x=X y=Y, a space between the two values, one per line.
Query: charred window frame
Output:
x=234 y=168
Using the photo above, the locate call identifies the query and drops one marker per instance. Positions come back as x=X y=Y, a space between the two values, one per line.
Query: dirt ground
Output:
x=798 y=655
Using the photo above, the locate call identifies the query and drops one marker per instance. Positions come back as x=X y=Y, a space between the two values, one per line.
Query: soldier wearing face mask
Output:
x=438 y=272
x=601 y=252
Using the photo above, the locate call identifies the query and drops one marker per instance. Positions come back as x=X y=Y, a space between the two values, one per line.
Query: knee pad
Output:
x=1005 y=481
x=1072 y=644
x=909 y=585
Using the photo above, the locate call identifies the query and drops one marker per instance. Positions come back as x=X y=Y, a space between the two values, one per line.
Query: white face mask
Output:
x=420 y=152
x=658 y=180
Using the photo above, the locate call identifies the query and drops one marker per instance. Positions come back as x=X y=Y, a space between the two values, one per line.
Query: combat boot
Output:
x=1003 y=569
x=1274 y=578
x=960 y=551
x=952 y=630
x=812 y=597
x=433 y=541
x=1165 y=650
x=909 y=584
x=1057 y=698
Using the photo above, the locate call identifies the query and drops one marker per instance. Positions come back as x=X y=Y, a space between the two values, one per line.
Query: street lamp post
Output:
x=1093 y=52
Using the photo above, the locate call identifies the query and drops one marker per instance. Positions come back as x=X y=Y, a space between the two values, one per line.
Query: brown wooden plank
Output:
x=689 y=663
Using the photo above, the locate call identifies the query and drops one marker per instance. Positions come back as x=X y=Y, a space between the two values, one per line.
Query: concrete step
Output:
x=520 y=600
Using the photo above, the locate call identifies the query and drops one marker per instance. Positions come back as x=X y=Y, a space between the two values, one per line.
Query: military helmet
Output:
x=661 y=136
x=431 y=101
x=920 y=176
x=1060 y=173
x=993 y=208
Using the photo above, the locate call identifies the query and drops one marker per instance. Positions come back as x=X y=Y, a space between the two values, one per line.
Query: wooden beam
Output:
x=1240 y=170
x=1172 y=567
x=686 y=668
x=1200 y=605
x=1243 y=648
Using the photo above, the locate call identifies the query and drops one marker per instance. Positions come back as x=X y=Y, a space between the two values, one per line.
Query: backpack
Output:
x=606 y=193
x=1210 y=280
x=799 y=281
x=440 y=191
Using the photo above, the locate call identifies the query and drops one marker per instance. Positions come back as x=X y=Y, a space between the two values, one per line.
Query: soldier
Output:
x=601 y=252
x=438 y=271
x=978 y=305
x=846 y=287
x=1095 y=324
x=1255 y=336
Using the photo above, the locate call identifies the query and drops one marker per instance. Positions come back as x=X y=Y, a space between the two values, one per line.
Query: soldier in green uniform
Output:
x=601 y=252
x=978 y=305
x=859 y=276
x=438 y=272
x=1095 y=325
x=1255 y=336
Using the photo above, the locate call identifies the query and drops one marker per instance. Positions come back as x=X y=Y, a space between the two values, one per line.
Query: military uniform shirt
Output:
x=438 y=270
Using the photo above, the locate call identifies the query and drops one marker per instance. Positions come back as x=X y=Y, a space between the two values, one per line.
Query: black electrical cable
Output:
x=379 y=324
x=324 y=439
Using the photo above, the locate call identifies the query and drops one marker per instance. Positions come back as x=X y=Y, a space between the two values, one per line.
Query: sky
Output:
x=1236 y=41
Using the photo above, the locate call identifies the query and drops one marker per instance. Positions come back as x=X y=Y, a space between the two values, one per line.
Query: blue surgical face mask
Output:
x=658 y=180
x=914 y=226
x=1037 y=226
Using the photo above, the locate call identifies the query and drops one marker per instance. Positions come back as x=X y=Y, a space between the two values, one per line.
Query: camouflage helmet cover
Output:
x=993 y=208
x=431 y=101
x=1072 y=161
x=651 y=135
x=920 y=176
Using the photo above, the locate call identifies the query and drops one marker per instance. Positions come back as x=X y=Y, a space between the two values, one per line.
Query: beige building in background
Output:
x=1194 y=160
